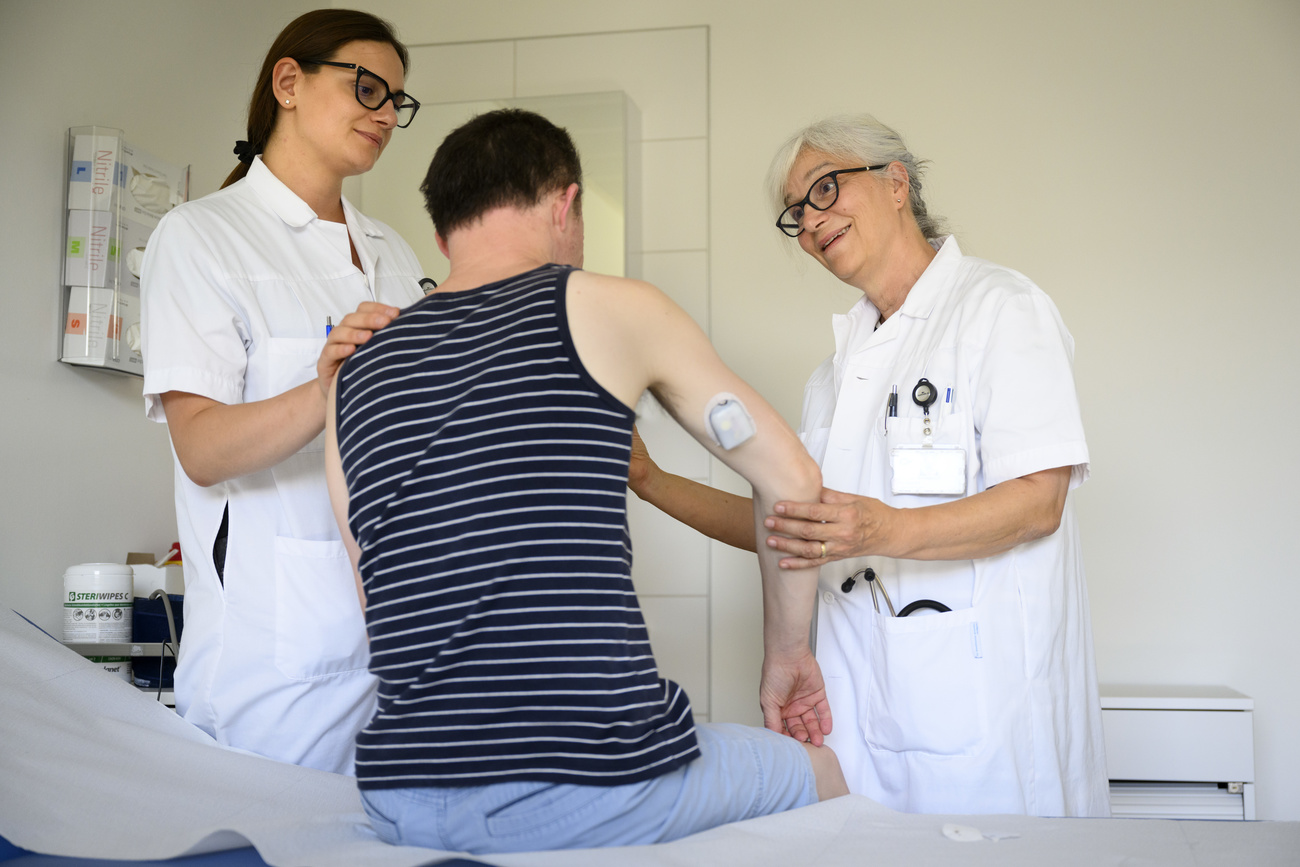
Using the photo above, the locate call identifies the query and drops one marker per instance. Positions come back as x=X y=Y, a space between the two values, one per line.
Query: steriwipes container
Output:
x=97 y=603
x=97 y=606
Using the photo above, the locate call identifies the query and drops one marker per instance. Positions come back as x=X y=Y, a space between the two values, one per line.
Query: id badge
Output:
x=937 y=469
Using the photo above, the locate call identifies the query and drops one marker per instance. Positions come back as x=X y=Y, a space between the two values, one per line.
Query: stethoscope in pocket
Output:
x=869 y=575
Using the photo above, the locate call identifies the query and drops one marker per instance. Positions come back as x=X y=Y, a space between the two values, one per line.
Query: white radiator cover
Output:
x=1179 y=752
x=1176 y=801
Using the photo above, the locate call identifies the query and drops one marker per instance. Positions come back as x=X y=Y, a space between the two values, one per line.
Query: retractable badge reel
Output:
x=926 y=468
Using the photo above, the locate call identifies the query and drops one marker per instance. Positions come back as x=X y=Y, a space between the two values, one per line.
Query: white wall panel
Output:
x=684 y=277
x=462 y=73
x=664 y=71
x=668 y=558
x=679 y=636
x=674 y=194
x=736 y=619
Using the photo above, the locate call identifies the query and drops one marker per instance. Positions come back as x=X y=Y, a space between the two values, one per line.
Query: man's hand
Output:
x=793 y=697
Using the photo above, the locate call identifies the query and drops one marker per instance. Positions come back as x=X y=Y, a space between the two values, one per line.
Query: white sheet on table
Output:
x=92 y=767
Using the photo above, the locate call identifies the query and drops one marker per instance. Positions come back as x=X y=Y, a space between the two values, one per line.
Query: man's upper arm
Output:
x=338 y=486
x=680 y=366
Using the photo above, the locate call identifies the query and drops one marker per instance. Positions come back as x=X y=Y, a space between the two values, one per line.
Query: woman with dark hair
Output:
x=953 y=627
x=252 y=297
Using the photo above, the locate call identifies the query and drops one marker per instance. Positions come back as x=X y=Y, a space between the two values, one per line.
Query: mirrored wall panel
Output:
x=605 y=129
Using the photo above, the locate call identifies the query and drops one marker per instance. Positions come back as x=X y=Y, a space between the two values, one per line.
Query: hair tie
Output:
x=245 y=152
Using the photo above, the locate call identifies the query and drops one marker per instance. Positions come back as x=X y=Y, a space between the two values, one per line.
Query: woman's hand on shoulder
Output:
x=352 y=331
x=838 y=527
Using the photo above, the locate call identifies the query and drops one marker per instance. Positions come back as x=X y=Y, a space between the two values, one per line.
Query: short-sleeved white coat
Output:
x=993 y=706
x=237 y=288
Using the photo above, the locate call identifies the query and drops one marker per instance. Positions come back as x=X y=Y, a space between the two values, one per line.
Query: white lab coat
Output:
x=992 y=707
x=236 y=290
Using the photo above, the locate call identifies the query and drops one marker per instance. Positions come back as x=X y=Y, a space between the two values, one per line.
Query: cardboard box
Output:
x=98 y=247
x=149 y=578
x=102 y=329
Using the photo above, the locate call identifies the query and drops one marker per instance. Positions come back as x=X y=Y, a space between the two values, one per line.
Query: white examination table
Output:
x=90 y=767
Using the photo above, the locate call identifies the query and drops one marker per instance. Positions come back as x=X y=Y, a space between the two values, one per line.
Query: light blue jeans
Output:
x=742 y=773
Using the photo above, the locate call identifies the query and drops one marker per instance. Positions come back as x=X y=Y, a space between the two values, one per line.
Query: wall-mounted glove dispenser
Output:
x=117 y=193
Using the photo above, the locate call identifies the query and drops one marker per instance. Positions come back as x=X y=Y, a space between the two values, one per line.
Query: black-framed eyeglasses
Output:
x=821 y=195
x=373 y=92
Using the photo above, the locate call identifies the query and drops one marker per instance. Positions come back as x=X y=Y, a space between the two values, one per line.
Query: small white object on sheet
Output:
x=77 y=744
x=962 y=833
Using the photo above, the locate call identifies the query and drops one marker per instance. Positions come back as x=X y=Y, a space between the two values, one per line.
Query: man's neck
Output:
x=499 y=245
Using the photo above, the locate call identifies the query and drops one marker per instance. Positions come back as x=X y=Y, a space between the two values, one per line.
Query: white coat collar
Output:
x=856 y=330
x=293 y=210
x=278 y=197
x=286 y=205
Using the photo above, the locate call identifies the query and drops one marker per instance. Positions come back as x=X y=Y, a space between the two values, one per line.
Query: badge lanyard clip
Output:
x=924 y=396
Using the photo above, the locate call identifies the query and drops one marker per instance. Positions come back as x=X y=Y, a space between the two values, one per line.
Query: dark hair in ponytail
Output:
x=317 y=35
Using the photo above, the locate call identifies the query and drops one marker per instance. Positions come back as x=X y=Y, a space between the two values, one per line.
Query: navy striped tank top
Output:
x=487 y=473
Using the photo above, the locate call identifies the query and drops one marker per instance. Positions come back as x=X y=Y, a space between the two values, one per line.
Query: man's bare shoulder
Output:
x=594 y=280
x=626 y=290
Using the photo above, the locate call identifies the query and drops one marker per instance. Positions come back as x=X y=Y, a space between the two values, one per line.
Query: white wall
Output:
x=1138 y=160
x=85 y=477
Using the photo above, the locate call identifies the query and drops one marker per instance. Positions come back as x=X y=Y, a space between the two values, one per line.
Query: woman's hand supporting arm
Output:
x=729 y=518
x=996 y=520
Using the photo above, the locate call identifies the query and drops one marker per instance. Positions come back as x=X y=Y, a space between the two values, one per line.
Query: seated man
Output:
x=477 y=454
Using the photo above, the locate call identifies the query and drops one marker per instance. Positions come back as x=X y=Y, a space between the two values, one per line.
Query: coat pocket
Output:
x=925 y=688
x=319 y=627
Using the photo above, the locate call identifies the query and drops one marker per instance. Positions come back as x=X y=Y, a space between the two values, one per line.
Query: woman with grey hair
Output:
x=953 y=626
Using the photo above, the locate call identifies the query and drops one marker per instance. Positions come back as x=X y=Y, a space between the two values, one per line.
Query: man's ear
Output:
x=566 y=206
x=442 y=244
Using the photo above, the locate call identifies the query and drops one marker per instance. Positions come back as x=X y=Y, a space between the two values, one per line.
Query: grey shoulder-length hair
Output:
x=860 y=139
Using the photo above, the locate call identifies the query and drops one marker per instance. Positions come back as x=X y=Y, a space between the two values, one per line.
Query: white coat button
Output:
x=828 y=597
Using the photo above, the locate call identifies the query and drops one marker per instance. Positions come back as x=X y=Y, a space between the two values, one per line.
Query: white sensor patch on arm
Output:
x=728 y=422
